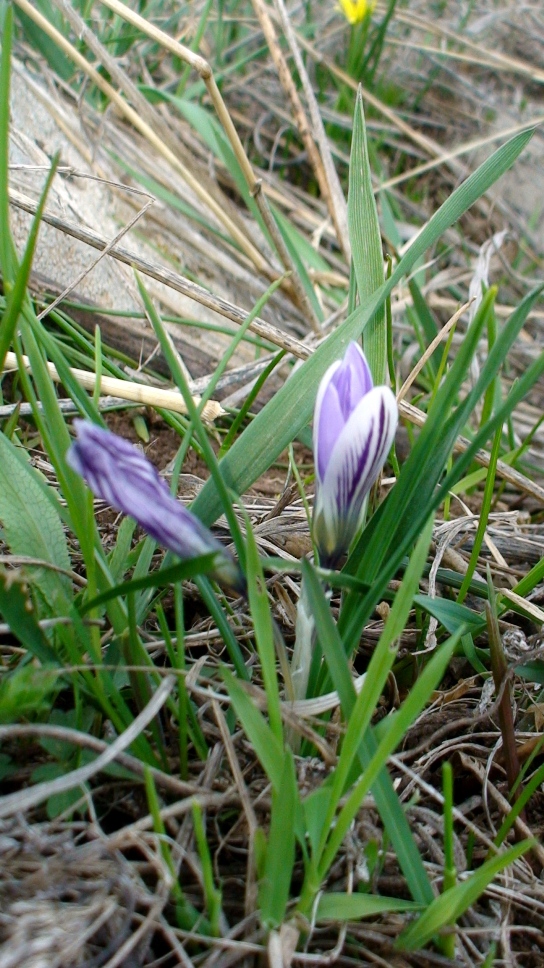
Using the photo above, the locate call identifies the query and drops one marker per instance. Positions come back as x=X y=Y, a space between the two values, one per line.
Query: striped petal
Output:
x=354 y=464
x=342 y=387
x=119 y=474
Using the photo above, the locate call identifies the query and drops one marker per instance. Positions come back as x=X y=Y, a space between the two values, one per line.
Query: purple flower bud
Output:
x=118 y=473
x=354 y=427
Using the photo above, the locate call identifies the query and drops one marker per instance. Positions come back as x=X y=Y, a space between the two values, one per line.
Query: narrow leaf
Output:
x=257 y=730
x=448 y=907
x=366 y=243
x=264 y=633
x=280 y=851
x=387 y=801
x=352 y=907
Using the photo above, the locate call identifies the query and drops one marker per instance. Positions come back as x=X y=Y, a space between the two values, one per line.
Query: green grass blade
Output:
x=448 y=907
x=178 y=376
x=401 y=722
x=352 y=907
x=218 y=614
x=377 y=672
x=366 y=243
x=7 y=252
x=17 y=294
x=387 y=802
x=158 y=579
x=275 y=884
x=264 y=742
x=520 y=803
x=485 y=509
x=264 y=633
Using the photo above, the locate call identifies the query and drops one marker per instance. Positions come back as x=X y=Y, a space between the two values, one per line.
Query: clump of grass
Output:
x=139 y=669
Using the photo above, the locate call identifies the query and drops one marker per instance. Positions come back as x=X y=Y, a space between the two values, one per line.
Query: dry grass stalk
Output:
x=254 y=185
x=441 y=336
x=172 y=279
x=324 y=173
x=126 y=389
x=485 y=54
x=134 y=118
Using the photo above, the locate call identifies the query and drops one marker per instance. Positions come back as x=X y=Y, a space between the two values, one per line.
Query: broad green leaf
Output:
x=18 y=611
x=32 y=525
x=448 y=907
x=352 y=907
x=290 y=409
x=366 y=243
x=26 y=692
x=451 y=615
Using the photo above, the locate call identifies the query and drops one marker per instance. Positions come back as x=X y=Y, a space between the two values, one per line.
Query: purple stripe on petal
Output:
x=354 y=465
x=119 y=474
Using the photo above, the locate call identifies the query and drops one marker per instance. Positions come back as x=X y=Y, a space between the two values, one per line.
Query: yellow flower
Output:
x=356 y=10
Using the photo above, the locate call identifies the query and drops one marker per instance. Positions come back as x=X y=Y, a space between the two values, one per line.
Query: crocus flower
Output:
x=354 y=427
x=118 y=473
x=356 y=10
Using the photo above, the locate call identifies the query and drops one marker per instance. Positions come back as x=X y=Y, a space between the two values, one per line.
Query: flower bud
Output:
x=118 y=473
x=356 y=10
x=354 y=427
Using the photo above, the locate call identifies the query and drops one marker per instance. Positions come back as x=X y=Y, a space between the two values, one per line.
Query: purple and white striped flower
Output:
x=354 y=427
x=118 y=473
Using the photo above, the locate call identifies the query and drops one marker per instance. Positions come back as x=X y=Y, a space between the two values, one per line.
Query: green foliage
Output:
x=275 y=883
x=367 y=253
x=335 y=906
x=449 y=906
x=30 y=516
x=18 y=610
x=26 y=692
x=290 y=409
x=109 y=621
